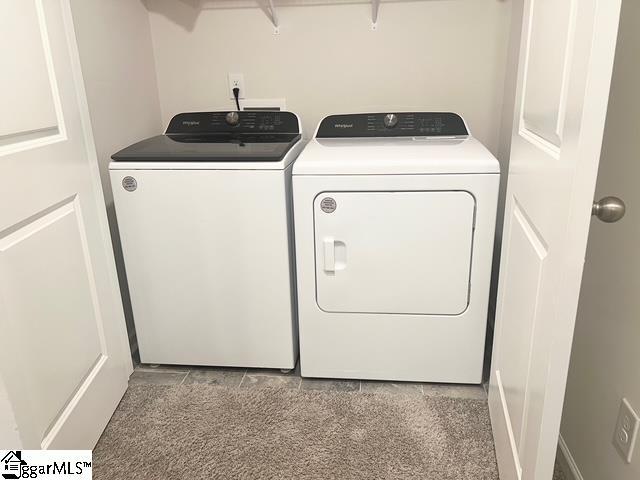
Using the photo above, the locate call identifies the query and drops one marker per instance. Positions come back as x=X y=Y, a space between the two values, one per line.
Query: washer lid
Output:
x=225 y=147
x=395 y=156
x=219 y=137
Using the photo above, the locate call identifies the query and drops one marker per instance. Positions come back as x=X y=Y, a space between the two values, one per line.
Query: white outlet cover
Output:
x=626 y=432
x=237 y=79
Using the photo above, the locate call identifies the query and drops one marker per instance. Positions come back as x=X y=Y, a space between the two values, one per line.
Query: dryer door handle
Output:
x=329 y=255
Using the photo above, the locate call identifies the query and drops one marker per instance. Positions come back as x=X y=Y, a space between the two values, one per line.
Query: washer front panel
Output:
x=209 y=265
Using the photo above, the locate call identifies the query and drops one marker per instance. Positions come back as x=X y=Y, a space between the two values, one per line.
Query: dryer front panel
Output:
x=393 y=252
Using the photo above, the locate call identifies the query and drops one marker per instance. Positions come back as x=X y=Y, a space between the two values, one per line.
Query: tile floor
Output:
x=256 y=378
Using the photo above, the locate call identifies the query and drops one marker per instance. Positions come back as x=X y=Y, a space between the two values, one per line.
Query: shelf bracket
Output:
x=375 y=6
x=273 y=16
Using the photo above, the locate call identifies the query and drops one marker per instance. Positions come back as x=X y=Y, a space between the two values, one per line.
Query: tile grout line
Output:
x=159 y=370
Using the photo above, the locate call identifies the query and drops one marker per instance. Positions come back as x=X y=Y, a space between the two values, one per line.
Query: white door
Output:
x=566 y=60
x=394 y=252
x=64 y=359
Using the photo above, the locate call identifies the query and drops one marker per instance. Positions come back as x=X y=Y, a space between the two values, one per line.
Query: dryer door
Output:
x=394 y=252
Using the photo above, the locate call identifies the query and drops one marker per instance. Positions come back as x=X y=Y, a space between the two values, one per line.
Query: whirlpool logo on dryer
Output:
x=343 y=125
x=46 y=464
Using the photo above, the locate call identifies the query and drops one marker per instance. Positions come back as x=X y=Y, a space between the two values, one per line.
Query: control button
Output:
x=232 y=118
x=390 y=120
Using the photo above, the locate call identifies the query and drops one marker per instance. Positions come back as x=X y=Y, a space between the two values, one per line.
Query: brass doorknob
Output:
x=609 y=209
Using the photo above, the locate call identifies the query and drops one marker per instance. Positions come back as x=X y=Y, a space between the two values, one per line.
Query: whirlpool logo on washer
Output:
x=343 y=125
x=129 y=183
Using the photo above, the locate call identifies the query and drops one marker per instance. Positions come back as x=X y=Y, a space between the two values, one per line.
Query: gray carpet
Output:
x=211 y=432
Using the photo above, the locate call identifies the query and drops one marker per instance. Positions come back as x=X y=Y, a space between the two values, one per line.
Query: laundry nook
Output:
x=319 y=239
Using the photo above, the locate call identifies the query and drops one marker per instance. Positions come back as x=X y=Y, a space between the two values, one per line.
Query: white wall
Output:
x=504 y=144
x=425 y=55
x=116 y=55
x=605 y=361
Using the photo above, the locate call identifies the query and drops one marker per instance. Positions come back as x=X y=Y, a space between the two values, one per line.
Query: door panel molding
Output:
x=502 y=430
x=539 y=142
x=549 y=46
x=26 y=134
x=528 y=251
x=49 y=253
x=58 y=423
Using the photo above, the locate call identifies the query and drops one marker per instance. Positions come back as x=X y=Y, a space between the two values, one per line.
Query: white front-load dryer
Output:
x=394 y=227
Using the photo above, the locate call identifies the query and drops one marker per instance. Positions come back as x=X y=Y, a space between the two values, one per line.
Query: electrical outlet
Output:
x=236 y=80
x=624 y=437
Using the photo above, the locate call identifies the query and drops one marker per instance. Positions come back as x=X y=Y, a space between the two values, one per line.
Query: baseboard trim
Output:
x=567 y=462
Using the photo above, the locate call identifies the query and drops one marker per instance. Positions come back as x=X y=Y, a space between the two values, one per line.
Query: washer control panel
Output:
x=403 y=124
x=234 y=122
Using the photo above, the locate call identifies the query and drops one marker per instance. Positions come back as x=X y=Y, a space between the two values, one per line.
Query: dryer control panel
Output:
x=403 y=124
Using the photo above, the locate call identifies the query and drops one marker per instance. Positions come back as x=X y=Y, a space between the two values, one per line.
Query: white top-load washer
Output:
x=205 y=219
x=394 y=226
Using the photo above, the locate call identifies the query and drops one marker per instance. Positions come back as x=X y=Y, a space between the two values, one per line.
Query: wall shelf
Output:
x=375 y=7
x=273 y=16
x=270 y=7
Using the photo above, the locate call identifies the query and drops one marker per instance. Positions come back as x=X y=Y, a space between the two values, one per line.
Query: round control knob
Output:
x=232 y=118
x=390 y=120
